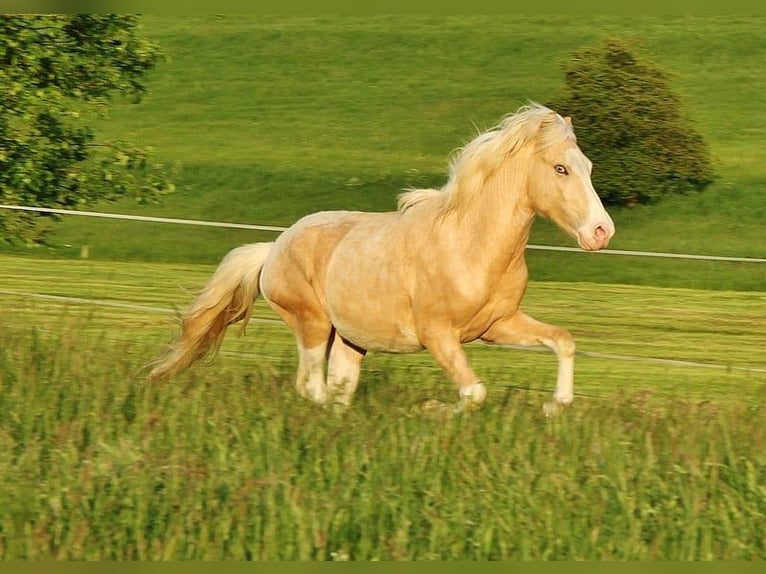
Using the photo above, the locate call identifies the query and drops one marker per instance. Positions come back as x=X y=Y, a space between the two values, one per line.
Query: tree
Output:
x=629 y=123
x=56 y=72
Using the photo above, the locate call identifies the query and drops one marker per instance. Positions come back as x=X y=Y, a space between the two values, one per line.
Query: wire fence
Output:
x=278 y=229
x=280 y=323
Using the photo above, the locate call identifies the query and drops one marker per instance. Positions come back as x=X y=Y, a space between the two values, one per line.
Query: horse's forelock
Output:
x=555 y=130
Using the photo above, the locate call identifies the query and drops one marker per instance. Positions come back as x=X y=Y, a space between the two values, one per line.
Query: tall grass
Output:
x=226 y=462
x=94 y=464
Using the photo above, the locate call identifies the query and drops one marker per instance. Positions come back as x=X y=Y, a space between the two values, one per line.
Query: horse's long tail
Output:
x=227 y=298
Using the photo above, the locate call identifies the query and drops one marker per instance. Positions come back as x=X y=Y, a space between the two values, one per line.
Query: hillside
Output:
x=273 y=118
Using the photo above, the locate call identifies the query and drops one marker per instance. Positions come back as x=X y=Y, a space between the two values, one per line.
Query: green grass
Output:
x=234 y=466
x=227 y=462
x=276 y=117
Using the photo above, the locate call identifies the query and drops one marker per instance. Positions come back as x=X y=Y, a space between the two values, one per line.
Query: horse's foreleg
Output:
x=447 y=350
x=344 y=364
x=521 y=329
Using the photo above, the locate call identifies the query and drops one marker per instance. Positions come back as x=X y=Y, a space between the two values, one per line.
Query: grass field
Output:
x=653 y=461
x=662 y=455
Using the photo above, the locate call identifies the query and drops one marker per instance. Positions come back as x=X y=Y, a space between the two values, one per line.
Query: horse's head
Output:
x=560 y=188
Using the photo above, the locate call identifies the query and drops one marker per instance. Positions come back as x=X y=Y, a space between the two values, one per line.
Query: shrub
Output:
x=629 y=123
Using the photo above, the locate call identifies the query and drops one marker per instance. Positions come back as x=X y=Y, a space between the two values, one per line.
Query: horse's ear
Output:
x=568 y=120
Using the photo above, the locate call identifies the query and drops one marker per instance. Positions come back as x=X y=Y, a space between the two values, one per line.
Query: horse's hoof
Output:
x=554 y=408
x=336 y=407
x=475 y=393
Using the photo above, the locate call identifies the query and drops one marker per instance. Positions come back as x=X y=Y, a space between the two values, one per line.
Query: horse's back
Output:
x=300 y=255
x=317 y=234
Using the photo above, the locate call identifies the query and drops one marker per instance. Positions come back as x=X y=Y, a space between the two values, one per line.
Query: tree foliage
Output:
x=57 y=74
x=629 y=123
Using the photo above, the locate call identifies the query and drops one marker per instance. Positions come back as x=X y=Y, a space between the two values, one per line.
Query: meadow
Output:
x=662 y=456
x=271 y=118
x=655 y=460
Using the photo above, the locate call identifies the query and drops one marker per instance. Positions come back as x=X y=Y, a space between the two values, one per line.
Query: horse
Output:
x=444 y=269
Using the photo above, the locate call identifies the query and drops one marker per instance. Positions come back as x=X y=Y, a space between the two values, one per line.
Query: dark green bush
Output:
x=629 y=123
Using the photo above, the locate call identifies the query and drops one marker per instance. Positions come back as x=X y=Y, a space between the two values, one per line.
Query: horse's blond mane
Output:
x=414 y=196
x=479 y=159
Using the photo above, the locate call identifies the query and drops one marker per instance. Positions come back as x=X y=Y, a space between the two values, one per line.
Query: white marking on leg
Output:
x=446 y=349
x=521 y=329
x=475 y=393
x=343 y=371
x=342 y=381
x=471 y=397
x=565 y=351
x=310 y=382
x=564 y=393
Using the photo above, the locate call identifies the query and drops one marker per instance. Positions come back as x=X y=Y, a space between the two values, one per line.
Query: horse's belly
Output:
x=376 y=334
x=372 y=311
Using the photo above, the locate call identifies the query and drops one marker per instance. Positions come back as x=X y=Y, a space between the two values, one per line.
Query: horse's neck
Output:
x=498 y=221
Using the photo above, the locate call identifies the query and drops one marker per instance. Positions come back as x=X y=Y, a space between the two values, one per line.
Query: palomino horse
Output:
x=444 y=269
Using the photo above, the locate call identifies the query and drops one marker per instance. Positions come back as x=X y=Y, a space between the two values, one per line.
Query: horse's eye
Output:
x=562 y=170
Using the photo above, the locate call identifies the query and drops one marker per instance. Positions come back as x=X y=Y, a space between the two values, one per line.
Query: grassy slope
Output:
x=273 y=118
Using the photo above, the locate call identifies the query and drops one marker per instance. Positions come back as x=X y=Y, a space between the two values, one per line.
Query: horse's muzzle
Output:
x=593 y=238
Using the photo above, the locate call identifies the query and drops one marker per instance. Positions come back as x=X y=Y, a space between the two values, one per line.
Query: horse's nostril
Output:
x=600 y=232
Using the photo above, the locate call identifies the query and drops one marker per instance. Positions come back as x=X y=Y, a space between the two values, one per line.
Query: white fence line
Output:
x=275 y=228
x=280 y=323
x=142 y=218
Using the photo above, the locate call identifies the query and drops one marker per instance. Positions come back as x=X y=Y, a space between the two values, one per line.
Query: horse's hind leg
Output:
x=310 y=380
x=344 y=364
x=312 y=330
